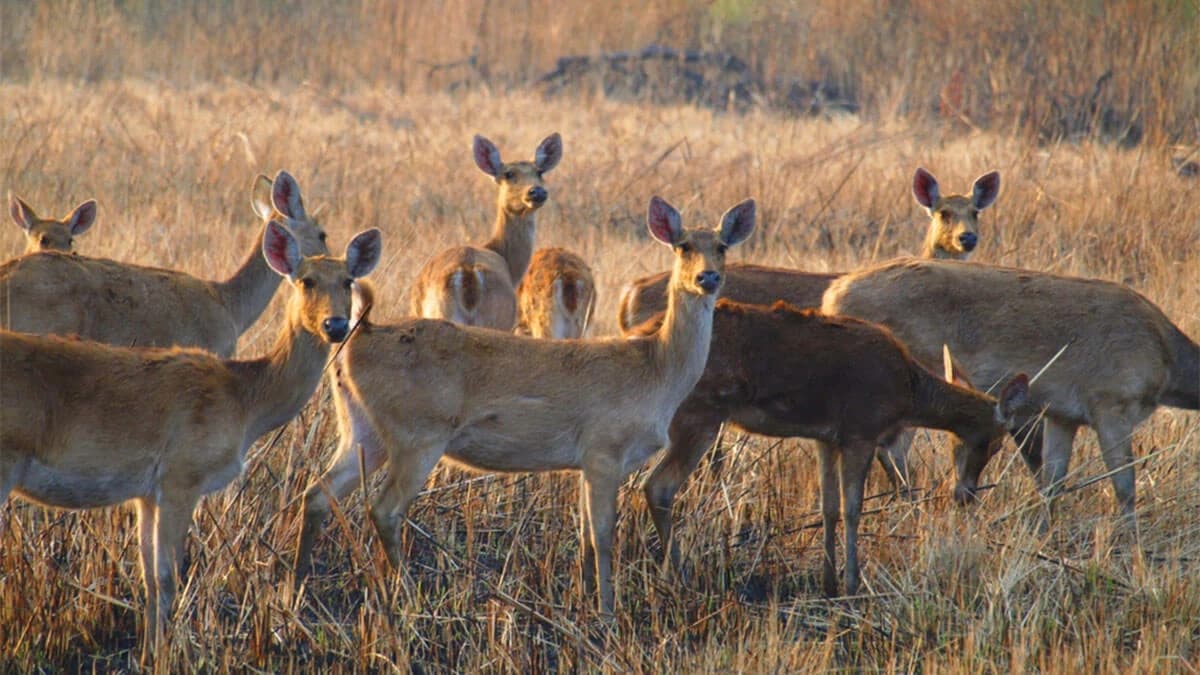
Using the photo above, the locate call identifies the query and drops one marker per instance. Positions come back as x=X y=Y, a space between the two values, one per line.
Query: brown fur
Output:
x=556 y=298
x=847 y=383
x=476 y=285
x=1123 y=356
x=412 y=393
x=87 y=425
x=48 y=234
x=133 y=305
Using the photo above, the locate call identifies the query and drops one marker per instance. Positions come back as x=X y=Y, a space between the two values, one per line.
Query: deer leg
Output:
x=893 y=457
x=407 y=471
x=1028 y=433
x=1115 y=433
x=587 y=557
x=173 y=516
x=146 y=512
x=693 y=432
x=856 y=461
x=831 y=509
x=1057 y=439
x=602 y=487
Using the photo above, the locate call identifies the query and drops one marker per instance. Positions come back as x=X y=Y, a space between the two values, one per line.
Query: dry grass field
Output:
x=166 y=129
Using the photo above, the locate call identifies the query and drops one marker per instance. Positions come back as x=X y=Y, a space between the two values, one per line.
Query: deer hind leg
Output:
x=340 y=479
x=1115 y=433
x=893 y=457
x=831 y=510
x=409 y=464
x=856 y=461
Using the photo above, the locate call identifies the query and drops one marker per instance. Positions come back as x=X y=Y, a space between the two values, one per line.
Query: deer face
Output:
x=42 y=234
x=280 y=200
x=971 y=455
x=700 y=253
x=954 y=219
x=522 y=190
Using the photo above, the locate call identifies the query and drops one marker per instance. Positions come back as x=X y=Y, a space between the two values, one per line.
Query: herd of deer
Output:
x=84 y=339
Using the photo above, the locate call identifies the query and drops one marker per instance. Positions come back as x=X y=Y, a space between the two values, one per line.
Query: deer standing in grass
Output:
x=476 y=285
x=133 y=305
x=411 y=393
x=1120 y=356
x=953 y=232
x=87 y=425
x=48 y=234
x=556 y=298
x=849 y=384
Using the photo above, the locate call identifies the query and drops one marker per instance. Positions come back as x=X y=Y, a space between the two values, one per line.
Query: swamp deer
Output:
x=783 y=372
x=411 y=393
x=1120 y=356
x=953 y=233
x=556 y=298
x=48 y=234
x=476 y=285
x=88 y=425
x=133 y=305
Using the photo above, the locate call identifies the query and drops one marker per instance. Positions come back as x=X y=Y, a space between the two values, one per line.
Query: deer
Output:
x=70 y=437
x=785 y=372
x=952 y=234
x=49 y=234
x=1110 y=356
x=411 y=393
x=556 y=298
x=133 y=305
x=475 y=285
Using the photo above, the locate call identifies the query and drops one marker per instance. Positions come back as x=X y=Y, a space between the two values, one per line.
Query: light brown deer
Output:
x=133 y=305
x=556 y=298
x=1121 y=357
x=476 y=285
x=411 y=393
x=86 y=425
x=849 y=384
x=48 y=234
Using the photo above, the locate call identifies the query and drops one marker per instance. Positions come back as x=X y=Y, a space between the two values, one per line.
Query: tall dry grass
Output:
x=168 y=142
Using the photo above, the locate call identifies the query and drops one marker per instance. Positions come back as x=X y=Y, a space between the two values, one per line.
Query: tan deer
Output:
x=556 y=298
x=85 y=425
x=411 y=393
x=1120 y=356
x=48 y=234
x=476 y=285
x=133 y=305
x=849 y=384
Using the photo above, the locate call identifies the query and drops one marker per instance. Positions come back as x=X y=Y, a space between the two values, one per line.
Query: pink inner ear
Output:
x=276 y=247
x=487 y=157
x=663 y=221
x=925 y=188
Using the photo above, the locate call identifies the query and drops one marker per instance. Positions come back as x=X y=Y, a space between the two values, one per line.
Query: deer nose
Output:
x=968 y=240
x=537 y=194
x=709 y=280
x=335 y=328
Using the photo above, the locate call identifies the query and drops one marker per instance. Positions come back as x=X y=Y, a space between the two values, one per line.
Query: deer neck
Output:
x=248 y=292
x=512 y=239
x=684 y=339
x=278 y=385
x=961 y=411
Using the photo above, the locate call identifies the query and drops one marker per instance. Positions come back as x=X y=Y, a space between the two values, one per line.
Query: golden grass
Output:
x=492 y=581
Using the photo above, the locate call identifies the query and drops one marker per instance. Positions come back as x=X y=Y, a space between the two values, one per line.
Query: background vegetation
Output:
x=164 y=112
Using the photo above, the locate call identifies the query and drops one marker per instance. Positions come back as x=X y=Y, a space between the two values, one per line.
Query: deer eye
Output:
x=45 y=240
x=308 y=284
x=947 y=215
x=348 y=284
x=510 y=174
x=974 y=213
x=684 y=247
x=322 y=236
x=721 y=248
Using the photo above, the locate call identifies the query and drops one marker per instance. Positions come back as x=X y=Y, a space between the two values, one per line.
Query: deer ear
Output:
x=985 y=190
x=548 y=153
x=82 y=218
x=363 y=252
x=664 y=221
x=738 y=223
x=21 y=212
x=285 y=195
x=260 y=197
x=925 y=188
x=281 y=250
x=487 y=156
x=1013 y=397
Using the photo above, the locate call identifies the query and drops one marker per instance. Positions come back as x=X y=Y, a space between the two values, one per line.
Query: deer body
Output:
x=48 y=234
x=556 y=298
x=412 y=393
x=1122 y=356
x=88 y=425
x=849 y=384
x=476 y=285
x=134 y=305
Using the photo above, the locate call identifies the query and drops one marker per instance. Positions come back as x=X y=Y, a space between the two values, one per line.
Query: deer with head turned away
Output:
x=952 y=233
x=783 y=372
x=476 y=285
x=556 y=298
x=411 y=393
x=86 y=425
x=1110 y=357
x=138 y=306
x=49 y=234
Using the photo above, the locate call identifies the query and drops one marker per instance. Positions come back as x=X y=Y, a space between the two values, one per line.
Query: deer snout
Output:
x=968 y=240
x=537 y=195
x=336 y=328
x=709 y=280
